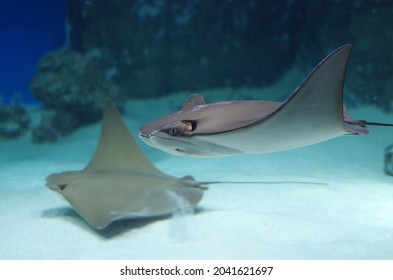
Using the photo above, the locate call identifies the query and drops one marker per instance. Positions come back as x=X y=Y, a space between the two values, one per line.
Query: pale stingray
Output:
x=312 y=114
x=120 y=182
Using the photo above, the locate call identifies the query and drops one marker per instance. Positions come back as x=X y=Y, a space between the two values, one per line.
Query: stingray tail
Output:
x=360 y=127
x=191 y=182
x=377 y=123
x=354 y=127
x=205 y=183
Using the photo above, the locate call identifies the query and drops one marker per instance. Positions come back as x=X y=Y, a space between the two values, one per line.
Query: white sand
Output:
x=351 y=218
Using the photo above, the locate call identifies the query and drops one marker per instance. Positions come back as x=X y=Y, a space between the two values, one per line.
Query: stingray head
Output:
x=172 y=133
x=182 y=133
x=172 y=136
x=179 y=138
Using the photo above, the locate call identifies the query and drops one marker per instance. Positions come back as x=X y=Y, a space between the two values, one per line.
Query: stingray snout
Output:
x=143 y=135
x=147 y=138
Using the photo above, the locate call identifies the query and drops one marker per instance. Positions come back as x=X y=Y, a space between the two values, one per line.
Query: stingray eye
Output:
x=174 y=131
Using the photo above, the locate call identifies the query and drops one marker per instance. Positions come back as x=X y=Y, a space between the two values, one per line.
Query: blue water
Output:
x=28 y=30
x=351 y=218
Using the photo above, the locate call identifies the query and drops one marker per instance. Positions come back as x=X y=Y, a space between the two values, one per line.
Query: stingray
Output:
x=312 y=114
x=120 y=182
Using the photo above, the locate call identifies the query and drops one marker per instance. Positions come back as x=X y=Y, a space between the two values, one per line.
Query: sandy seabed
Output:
x=350 y=218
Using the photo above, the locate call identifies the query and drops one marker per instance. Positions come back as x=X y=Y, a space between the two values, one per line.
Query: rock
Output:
x=14 y=121
x=42 y=134
x=389 y=160
x=55 y=124
x=75 y=83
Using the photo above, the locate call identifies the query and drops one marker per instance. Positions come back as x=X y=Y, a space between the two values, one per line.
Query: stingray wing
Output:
x=314 y=113
x=120 y=182
x=117 y=149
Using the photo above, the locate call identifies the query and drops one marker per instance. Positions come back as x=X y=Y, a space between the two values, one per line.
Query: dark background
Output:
x=142 y=49
x=28 y=30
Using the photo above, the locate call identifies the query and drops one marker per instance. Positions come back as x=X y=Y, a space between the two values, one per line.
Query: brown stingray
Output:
x=312 y=114
x=120 y=182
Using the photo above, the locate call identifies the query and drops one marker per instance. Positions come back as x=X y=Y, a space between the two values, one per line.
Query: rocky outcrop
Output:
x=14 y=121
x=73 y=86
x=75 y=83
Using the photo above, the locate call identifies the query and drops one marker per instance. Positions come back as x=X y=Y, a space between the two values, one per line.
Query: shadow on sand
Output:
x=115 y=229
